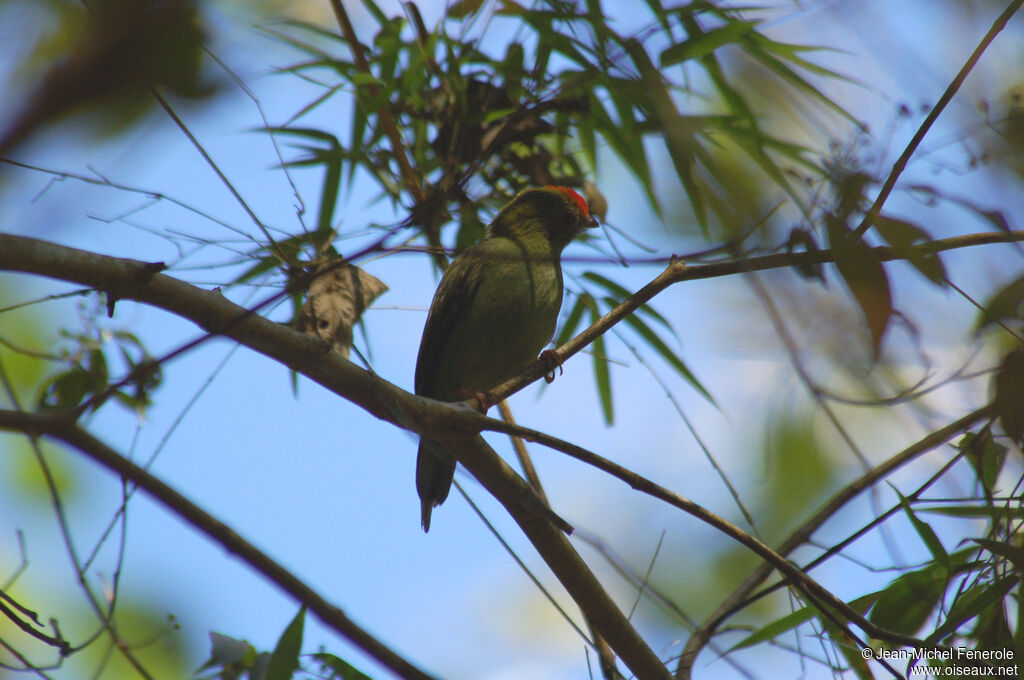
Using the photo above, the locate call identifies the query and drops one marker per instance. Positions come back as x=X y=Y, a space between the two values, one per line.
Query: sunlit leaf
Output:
x=705 y=43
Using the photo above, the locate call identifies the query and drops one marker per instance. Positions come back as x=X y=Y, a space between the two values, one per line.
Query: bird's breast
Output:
x=512 y=318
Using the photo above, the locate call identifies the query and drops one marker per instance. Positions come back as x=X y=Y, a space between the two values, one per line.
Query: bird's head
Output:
x=557 y=214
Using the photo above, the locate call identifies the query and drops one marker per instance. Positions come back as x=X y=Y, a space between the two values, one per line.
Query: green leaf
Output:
x=705 y=43
x=603 y=378
x=464 y=8
x=775 y=628
x=623 y=293
x=976 y=511
x=679 y=131
x=375 y=11
x=602 y=375
x=907 y=603
x=973 y=601
x=925 y=531
x=659 y=346
x=285 y=659
x=328 y=200
x=572 y=322
x=1007 y=303
x=339 y=667
x=794 y=619
x=1014 y=553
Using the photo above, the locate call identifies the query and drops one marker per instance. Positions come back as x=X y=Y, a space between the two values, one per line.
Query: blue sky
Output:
x=327 y=489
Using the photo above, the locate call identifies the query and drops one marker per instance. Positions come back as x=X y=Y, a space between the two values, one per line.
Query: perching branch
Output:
x=450 y=424
x=678 y=271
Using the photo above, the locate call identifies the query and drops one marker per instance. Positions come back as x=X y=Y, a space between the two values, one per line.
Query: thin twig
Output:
x=933 y=115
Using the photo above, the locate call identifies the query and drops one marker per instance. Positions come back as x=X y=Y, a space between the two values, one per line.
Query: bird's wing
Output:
x=452 y=302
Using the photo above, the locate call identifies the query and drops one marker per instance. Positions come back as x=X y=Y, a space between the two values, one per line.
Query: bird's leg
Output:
x=484 y=400
x=552 y=360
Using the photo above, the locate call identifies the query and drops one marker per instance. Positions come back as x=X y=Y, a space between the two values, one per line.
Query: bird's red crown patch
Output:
x=574 y=196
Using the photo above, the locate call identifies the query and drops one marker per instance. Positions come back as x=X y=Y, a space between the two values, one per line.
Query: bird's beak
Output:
x=591 y=223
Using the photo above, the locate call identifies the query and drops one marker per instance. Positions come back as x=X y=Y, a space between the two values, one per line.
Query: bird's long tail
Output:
x=435 y=470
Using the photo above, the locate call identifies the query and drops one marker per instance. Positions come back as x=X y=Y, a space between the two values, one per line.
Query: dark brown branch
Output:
x=64 y=429
x=140 y=281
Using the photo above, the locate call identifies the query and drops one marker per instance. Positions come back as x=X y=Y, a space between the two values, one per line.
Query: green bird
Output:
x=494 y=310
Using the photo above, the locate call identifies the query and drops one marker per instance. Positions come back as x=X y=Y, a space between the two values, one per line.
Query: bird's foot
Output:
x=552 y=360
x=484 y=400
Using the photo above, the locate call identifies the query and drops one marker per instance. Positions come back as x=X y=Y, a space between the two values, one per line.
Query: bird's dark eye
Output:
x=568 y=218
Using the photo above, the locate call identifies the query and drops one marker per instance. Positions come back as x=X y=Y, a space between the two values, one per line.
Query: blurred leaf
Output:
x=284 y=660
x=122 y=49
x=602 y=376
x=339 y=667
x=572 y=322
x=865 y=277
x=69 y=389
x=1009 y=395
x=907 y=603
x=903 y=236
x=976 y=511
x=227 y=652
x=659 y=346
x=775 y=628
x=792 y=620
x=767 y=53
x=679 y=131
x=705 y=43
x=463 y=8
x=1006 y=304
x=972 y=602
x=1014 y=553
x=986 y=456
x=25 y=478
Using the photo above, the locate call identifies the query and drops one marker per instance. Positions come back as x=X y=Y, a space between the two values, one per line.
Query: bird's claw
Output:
x=484 y=400
x=553 y=361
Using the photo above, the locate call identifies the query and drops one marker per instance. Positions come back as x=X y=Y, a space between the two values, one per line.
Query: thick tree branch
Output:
x=66 y=430
x=130 y=279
